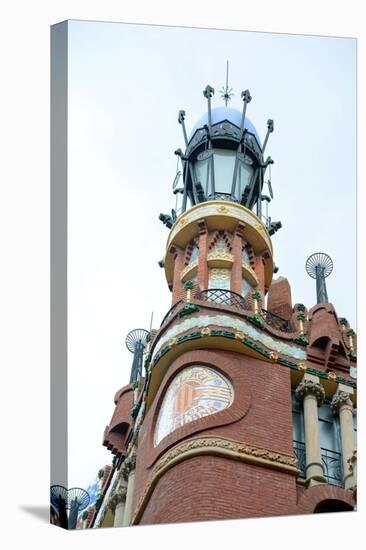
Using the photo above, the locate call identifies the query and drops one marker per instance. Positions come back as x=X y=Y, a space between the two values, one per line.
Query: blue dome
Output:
x=225 y=113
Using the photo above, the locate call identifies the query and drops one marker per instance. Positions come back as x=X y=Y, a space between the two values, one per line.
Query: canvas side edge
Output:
x=59 y=86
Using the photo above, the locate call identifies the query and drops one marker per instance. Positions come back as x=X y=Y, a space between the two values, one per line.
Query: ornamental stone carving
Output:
x=241 y=449
x=117 y=497
x=216 y=446
x=308 y=387
x=340 y=399
x=352 y=461
x=128 y=466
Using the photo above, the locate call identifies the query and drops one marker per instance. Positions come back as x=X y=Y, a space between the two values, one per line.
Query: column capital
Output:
x=117 y=497
x=128 y=465
x=341 y=399
x=309 y=387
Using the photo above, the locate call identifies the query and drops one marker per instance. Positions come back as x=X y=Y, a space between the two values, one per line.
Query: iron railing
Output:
x=223 y=297
x=275 y=321
x=172 y=310
x=333 y=470
x=332 y=462
x=299 y=451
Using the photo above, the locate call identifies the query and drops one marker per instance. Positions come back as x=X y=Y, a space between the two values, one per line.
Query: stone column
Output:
x=202 y=272
x=117 y=505
x=236 y=270
x=342 y=404
x=129 y=467
x=312 y=393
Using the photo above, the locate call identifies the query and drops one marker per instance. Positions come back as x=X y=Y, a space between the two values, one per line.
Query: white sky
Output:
x=126 y=85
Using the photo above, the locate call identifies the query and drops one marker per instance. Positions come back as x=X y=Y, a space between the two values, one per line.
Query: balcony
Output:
x=275 y=321
x=333 y=470
x=224 y=297
x=299 y=451
x=332 y=463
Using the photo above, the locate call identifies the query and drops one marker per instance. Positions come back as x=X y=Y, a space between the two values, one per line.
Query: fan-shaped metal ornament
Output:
x=138 y=335
x=319 y=266
x=59 y=493
x=319 y=261
x=75 y=495
x=78 y=496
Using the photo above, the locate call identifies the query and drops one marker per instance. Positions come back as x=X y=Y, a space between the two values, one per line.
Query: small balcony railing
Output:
x=333 y=470
x=223 y=297
x=332 y=463
x=275 y=321
x=171 y=312
x=299 y=451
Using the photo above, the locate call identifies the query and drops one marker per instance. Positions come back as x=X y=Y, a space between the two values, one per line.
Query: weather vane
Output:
x=226 y=92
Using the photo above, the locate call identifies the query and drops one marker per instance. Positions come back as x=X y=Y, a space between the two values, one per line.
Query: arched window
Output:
x=332 y=505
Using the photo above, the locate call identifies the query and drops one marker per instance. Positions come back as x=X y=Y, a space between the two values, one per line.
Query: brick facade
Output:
x=240 y=461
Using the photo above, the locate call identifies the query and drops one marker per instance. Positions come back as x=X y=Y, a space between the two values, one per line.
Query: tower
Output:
x=247 y=404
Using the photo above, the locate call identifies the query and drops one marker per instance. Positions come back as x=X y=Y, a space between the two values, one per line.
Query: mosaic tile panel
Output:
x=226 y=321
x=195 y=392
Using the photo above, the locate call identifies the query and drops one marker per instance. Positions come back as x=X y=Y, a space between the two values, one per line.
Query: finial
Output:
x=319 y=266
x=136 y=342
x=226 y=92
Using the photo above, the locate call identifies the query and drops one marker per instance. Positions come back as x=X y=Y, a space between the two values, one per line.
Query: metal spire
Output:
x=319 y=266
x=226 y=92
x=136 y=342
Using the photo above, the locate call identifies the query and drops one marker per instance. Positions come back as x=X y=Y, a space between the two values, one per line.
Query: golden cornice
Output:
x=217 y=214
x=220 y=215
x=216 y=446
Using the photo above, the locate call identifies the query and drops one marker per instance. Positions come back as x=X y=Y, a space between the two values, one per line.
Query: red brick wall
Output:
x=205 y=241
x=212 y=488
x=262 y=418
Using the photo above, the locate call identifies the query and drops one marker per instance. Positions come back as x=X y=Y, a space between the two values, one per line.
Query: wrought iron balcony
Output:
x=299 y=450
x=223 y=297
x=172 y=310
x=333 y=470
x=332 y=462
x=275 y=321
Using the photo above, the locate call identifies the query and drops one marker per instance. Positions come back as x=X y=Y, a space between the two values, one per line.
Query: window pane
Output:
x=219 y=278
x=245 y=287
x=224 y=170
x=328 y=438
x=297 y=427
x=195 y=254
x=202 y=173
x=245 y=257
x=245 y=173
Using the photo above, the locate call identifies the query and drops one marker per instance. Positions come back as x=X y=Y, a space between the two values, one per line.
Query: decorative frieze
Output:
x=227 y=321
x=217 y=446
